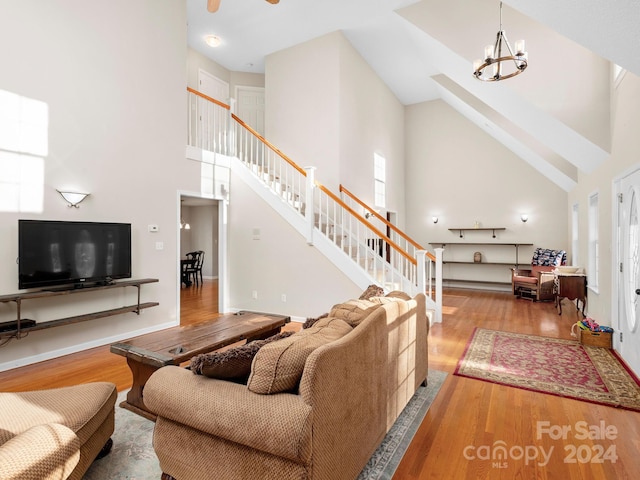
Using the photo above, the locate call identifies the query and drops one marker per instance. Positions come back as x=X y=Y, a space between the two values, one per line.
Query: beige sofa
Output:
x=56 y=433
x=351 y=391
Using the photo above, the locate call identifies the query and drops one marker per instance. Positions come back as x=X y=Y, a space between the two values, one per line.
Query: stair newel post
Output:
x=439 y=254
x=425 y=276
x=421 y=271
x=309 y=207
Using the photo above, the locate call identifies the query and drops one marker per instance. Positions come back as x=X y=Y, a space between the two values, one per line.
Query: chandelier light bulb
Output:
x=488 y=52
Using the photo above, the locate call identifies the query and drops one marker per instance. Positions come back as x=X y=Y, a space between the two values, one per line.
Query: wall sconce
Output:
x=73 y=198
x=524 y=217
x=435 y=219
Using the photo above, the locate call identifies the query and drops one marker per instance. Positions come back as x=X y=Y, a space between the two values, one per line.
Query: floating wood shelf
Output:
x=21 y=326
x=478 y=229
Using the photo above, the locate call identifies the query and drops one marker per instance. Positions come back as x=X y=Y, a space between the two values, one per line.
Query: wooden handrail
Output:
x=362 y=220
x=202 y=95
x=386 y=222
x=253 y=132
x=269 y=144
x=320 y=186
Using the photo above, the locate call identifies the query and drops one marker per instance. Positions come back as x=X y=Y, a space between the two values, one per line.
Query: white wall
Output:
x=371 y=121
x=624 y=157
x=302 y=115
x=113 y=77
x=459 y=173
x=327 y=108
x=278 y=262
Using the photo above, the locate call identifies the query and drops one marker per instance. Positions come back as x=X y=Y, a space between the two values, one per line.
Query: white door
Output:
x=629 y=281
x=250 y=104
x=213 y=87
x=213 y=119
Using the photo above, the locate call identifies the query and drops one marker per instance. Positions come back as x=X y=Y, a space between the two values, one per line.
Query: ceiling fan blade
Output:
x=273 y=2
x=213 y=5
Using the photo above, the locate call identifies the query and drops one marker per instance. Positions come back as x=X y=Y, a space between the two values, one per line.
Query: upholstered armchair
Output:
x=536 y=283
x=56 y=433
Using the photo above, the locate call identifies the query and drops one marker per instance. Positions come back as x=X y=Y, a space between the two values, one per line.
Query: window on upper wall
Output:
x=618 y=73
x=380 y=178
x=575 y=257
x=593 y=268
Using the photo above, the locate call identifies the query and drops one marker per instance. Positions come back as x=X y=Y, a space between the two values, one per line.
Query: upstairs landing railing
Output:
x=213 y=127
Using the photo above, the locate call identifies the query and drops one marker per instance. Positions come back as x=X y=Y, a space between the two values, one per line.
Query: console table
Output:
x=20 y=326
x=571 y=286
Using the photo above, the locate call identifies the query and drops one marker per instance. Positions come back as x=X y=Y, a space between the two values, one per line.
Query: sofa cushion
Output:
x=398 y=294
x=278 y=366
x=233 y=363
x=385 y=300
x=354 y=311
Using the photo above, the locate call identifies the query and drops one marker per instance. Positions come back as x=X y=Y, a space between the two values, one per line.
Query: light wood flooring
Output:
x=468 y=417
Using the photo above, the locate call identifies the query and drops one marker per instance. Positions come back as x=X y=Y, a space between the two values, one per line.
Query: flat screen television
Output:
x=54 y=253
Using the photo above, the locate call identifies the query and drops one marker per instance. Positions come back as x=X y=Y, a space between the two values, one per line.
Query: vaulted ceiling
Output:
x=555 y=116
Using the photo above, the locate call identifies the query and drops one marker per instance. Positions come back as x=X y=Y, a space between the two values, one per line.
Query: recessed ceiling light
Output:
x=213 y=40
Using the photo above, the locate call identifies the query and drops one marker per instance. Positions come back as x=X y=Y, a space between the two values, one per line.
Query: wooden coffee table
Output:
x=147 y=353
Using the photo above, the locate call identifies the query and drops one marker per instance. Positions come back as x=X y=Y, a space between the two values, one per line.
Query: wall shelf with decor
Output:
x=22 y=326
x=493 y=230
x=464 y=257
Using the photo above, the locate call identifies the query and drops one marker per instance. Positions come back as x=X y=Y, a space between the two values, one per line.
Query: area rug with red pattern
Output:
x=550 y=365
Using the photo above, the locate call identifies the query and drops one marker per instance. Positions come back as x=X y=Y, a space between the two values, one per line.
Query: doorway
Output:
x=628 y=282
x=199 y=230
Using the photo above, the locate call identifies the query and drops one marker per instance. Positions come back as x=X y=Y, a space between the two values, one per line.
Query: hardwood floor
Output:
x=476 y=414
x=467 y=417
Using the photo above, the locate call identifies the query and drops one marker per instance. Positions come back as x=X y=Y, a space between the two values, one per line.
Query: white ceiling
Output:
x=394 y=37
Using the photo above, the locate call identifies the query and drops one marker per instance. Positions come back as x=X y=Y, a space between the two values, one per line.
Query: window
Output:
x=618 y=74
x=594 y=254
x=23 y=144
x=575 y=257
x=379 y=176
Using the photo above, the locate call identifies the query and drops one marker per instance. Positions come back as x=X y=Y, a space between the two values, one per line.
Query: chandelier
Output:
x=502 y=67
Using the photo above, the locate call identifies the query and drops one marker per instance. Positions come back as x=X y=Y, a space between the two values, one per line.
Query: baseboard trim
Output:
x=22 y=362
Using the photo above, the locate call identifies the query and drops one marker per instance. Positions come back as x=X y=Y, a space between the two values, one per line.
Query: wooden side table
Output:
x=571 y=286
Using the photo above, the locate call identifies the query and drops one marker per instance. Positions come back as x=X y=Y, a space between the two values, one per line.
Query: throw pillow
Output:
x=372 y=291
x=234 y=363
x=310 y=321
x=278 y=367
x=548 y=257
x=353 y=311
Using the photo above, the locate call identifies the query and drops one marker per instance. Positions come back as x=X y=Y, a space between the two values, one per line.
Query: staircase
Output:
x=337 y=229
